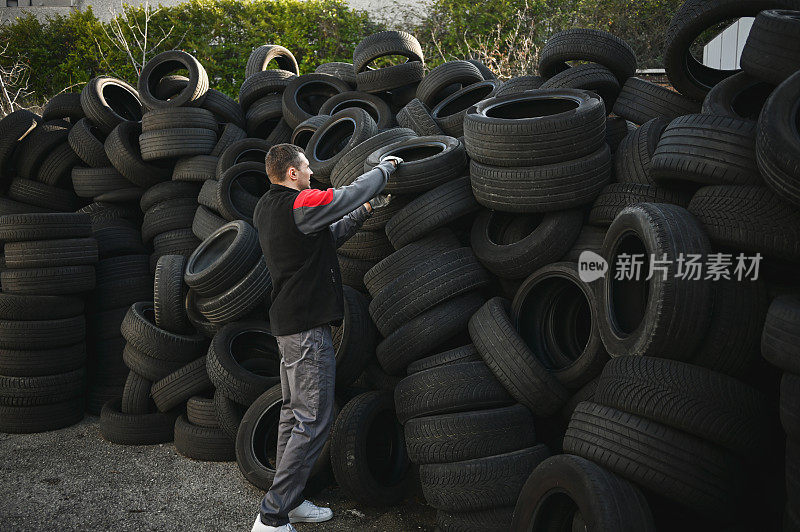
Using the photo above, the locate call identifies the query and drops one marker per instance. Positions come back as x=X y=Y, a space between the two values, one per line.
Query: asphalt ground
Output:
x=73 y=479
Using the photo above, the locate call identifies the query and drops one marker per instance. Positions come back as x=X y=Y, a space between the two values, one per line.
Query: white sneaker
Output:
x=258 y=526
x=308 y=512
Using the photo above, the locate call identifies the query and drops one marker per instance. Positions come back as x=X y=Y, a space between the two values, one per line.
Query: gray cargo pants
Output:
x=308 y=371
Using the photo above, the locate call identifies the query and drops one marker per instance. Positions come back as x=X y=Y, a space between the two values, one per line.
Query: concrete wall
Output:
x=385 y=10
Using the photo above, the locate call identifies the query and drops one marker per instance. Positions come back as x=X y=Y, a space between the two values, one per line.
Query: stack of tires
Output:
x=49 y=259
x=779 y=347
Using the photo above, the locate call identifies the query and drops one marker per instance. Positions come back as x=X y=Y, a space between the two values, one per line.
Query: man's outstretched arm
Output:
x=315 y=210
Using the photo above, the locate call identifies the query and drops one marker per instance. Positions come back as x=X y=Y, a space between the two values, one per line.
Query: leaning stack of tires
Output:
x=165 y=369
x=475 y=444
x=228 y=278
x=50 y=267
x=779 y=348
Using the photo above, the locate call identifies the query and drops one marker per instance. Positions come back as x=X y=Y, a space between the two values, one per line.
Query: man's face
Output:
x=301 y=173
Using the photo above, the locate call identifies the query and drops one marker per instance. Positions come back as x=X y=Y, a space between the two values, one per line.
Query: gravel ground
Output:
x=72 y=479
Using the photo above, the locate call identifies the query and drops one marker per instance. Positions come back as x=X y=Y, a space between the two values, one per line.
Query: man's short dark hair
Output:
x=279 y=158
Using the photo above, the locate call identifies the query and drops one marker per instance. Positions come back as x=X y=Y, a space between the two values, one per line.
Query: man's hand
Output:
x=393 y=159
x=381 y=200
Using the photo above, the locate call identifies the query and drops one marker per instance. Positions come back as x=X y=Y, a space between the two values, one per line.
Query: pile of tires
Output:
x=49 y=268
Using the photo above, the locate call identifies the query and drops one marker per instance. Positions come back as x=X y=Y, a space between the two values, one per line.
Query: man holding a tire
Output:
x=299 y=229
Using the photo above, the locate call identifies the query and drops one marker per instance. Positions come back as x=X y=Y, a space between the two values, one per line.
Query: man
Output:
x=299 y=229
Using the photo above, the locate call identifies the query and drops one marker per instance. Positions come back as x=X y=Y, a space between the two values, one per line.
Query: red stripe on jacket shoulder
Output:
x=312 y=197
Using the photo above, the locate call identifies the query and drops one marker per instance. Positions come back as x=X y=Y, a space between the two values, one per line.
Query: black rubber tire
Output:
x=302 y=134
x=386 y=43
x=108 y=102
x=353 y=271
x=177 y=387
x=208 y=197
x=343 y=71
x=738 y=96
x=168 y=216
x=694 y=17
x=351 y=165
x=136 y=429
x=239 y=189
x=205 y=222
x=44 y=307
x=123 y=150
x=230 y=133
x=203 y=443
x=449 y=113
x=304 y=95
x=41 y=195
x=96 y=182
x=261 y=56
x=416 y=116
x=377 y=108
x=136 y=395
x=617 y=128
x=243 y=375
x=641 y=100
x=777 y=142
x=749 y=218
x=242 y=151
x=198 y=321
x=249 y=293
x=556 y=315
x=635 y=152
x=192 y=95
x=781 y=334
x=342 y=132
x=552 y=187
x=41 y=418
x=65 y=105
x=225 y=108
x=380 y=217
x=57 y=165
x=633 y=323
x=503 y=131
x=426 y=285
x=223 y=258
x=514 y=246
x=438 y=207
x=38 y=144
x=260 y=84
x=229 y=413
x=480 y=483
x=430 y=90
x=366 y=245
x=618 y=196
x=466 y=353
x=668 y=462
x=174 y=242
x=355 y=458
x=42 y=390
x=263 y=115
x=512 y=362
x=425 y=333
x=100 y=212
x=354 y=341
x=384 y=272
x=176 y=142
x=169 y=294
x=118 y=237
x=589 y=76
x=468 y=435
x=152 y=369
x=14 y=127
x=256 y=441
x=200 y=411
x=790 y=398
x=602 y=500
x=587 y=45
x=455 y=387
x=708 y=150
x=53 y=280
x=429 y=162
x=492 y=520
x=23 y=363
x=198 y=168
x=183 y=117
x=140 y=331
x=44 y=226
x=44 y=253
x=771 y=52
x=519 y=84
x=390 y=78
